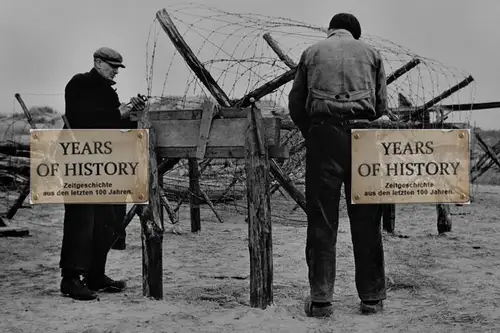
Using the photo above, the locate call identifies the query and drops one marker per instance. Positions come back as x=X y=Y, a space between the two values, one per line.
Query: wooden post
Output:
x=151 y=224
x=443 y=218
x=389 y=217
x=194 y=194
x=160 y=194
x=259 y=215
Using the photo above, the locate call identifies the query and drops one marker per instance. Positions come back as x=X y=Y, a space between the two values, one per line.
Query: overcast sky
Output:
x=44 y=43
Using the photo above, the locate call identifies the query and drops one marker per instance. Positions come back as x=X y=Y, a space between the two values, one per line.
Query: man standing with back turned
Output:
x=92 y=102
x=340 y=81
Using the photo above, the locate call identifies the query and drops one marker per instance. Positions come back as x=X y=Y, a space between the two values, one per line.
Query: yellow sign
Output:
x=410 y=166
x=89 y=166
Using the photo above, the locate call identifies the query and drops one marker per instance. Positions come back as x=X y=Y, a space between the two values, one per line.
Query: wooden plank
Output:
x=219 y=152
x=209 y=111
x=193 y=114
x=194 y=194
x=13 y=232
x=259 y=218
x=223 y=133
x=152 y=228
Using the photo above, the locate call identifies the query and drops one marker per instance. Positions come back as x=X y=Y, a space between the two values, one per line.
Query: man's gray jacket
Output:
x=338 y=76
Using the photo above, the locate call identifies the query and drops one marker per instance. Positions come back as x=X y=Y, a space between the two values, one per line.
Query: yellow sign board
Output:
x=89 y=166
x=410 y=166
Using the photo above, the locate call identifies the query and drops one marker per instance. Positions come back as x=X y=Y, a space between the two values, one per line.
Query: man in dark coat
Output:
x=340 y=81
x=92 y=102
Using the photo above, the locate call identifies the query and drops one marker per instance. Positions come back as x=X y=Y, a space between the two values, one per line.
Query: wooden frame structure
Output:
x=222 y=133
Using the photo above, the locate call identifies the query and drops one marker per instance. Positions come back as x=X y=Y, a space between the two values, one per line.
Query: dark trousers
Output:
x=121 y=212
x=88 y=235
x=328 y=165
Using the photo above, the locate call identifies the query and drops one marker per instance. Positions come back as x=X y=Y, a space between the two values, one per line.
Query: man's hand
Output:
x=132 y=108
x=138 y=104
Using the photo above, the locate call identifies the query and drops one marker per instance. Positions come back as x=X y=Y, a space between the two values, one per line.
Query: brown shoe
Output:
x=75 y=288
x=312 y=310
x=371 y=307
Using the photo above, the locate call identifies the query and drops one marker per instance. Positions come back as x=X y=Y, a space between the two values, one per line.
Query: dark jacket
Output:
x=338 y=76
x=92 y=102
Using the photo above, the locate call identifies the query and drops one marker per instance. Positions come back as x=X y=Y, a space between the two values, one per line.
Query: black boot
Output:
x=74 y=287
x=371 y=307
x=106 y=284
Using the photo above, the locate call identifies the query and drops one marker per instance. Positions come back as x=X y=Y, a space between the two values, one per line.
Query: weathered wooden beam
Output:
x=422 y=109
x=288 y=185
x=26 y=112
x=13 y=232
x=190 y=58
x=485 y=158
x=259 y=217
x=211 y=205
x=218 y=152
x=193 y=114
x=484 y=163
x=164 y=166
x=223 y=132
x=279 y=52
x=291 y=64
x=487 y=149
x=266 y=88
x=152 y=228
x=166 y=204
x=25 y=190
x=209 y=111
x=402 y=70
x=471 y=106
x=194 y=194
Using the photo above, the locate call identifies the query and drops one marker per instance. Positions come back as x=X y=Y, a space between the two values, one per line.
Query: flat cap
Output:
x=110 y=56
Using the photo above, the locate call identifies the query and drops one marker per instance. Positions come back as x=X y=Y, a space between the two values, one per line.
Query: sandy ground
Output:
x=437 y=283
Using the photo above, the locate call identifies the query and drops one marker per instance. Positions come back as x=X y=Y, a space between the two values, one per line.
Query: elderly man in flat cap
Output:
x=92 y=102
x=340 y=82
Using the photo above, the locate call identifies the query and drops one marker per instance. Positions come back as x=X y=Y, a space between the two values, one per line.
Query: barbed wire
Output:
x=232 y=48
